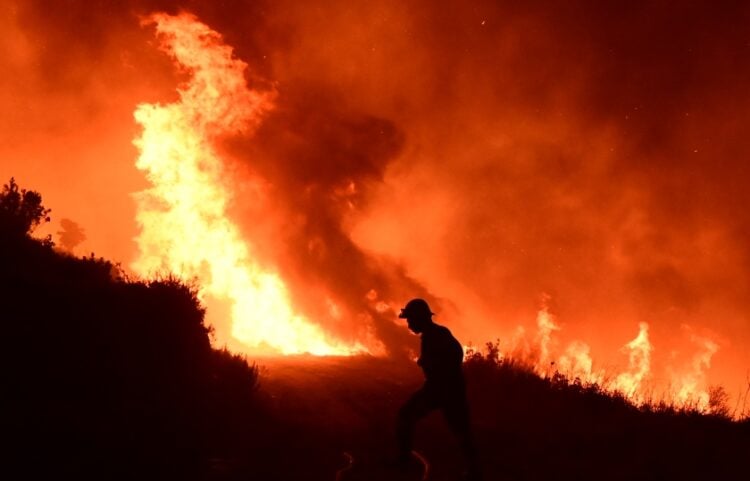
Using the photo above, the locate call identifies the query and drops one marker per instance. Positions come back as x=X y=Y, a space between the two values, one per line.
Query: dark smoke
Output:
x=71 y=235
x=323 y=162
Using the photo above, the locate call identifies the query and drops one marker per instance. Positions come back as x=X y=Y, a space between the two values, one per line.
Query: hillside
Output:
x=528 y=428
x=113 y=378
x=106 y=376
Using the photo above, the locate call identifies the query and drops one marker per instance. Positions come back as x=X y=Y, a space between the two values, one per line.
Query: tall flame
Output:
x=639 y=350
x=546 y=326
x=182 y=216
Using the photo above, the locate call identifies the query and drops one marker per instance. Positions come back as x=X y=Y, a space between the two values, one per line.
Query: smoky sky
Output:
x=480 y=153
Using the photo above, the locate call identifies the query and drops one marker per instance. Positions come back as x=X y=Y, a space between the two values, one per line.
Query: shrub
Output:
x=21 y=210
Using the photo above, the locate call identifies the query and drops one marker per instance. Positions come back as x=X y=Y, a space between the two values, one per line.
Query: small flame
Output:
x=546 y=327
x=182 y=216
x=692 y=385
x=575 y=363
x=639 y=350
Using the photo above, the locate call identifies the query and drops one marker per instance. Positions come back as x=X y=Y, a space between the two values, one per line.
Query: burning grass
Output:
x=490 y=360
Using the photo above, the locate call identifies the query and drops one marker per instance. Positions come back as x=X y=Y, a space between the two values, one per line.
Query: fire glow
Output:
x=477 y=156
x=637 y=382
x=185 y=229
x=183 y=221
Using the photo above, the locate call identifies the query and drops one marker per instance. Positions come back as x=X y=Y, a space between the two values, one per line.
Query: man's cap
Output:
x=415 y=308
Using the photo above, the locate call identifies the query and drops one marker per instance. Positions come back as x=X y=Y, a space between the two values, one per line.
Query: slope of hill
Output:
x=527 y=428
x=105 y=377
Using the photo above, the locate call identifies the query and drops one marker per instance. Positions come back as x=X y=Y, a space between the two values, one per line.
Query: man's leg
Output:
x=456 y=411
x=418 y=406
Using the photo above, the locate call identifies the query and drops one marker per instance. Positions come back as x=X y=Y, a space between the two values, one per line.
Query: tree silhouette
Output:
x=21 y=210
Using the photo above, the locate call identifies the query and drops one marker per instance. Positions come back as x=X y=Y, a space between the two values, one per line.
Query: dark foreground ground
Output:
x=527 y=428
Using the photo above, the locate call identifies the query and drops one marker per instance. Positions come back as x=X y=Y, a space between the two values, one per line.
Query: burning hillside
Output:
x=314 y=167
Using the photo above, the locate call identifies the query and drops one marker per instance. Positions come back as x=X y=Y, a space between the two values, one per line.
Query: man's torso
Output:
x=441 y=358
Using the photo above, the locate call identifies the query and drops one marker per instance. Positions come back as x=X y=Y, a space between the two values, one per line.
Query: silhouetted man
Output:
x=441 y=359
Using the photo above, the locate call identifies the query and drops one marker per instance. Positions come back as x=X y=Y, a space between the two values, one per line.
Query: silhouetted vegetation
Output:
x=560 y=428
x=106 y=377
x=527 y=427
x=21 y=211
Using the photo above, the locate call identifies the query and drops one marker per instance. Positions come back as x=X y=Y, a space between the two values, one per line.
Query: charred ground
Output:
x=108 y=377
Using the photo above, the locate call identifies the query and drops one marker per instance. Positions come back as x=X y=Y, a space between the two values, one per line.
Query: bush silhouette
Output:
x=20 y=210
x=101 y=371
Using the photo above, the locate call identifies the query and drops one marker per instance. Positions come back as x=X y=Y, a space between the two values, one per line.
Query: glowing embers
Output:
x=182 y=216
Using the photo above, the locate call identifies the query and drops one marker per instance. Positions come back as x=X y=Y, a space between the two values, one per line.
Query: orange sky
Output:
x=480 y=153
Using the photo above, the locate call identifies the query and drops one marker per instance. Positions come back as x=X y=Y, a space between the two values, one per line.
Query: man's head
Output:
x=417 y=314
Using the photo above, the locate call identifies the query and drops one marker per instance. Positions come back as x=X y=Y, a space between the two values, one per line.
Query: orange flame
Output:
x=639 y=350
x=576 y=363
x=546 y=327
x=182 y=216
x=689 y=387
